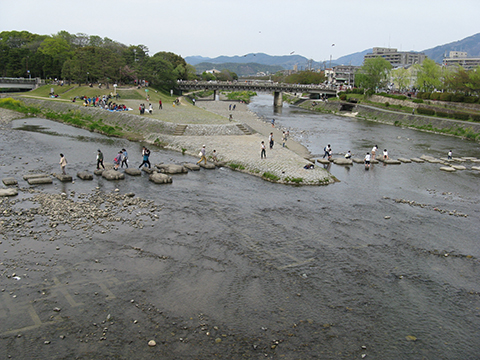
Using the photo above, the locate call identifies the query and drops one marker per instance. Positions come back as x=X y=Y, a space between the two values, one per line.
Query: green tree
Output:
x=306 y=77
x=159 y=72
x=429 y=76
x=374 y=73
x=401 y=78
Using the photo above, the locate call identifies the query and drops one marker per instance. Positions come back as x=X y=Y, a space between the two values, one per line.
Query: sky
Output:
x=316 y=29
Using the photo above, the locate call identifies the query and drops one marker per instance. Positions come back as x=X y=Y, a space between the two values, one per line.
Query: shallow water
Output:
x=281 y=271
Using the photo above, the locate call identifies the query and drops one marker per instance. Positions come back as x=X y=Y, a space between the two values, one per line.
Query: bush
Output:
x=370 y=92
x=443 y=114
x=446 y=97
x=426 y=95
x=470 y=99
x=461 y=116
x=387 y=104
x=425 y=111
x=417 y=101
x=343 y=97
x=458 y=97
x=476 y=117
x=435 y=96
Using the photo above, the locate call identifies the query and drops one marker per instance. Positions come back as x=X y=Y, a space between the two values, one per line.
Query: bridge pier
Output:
x=214 y=95
x=277 y=99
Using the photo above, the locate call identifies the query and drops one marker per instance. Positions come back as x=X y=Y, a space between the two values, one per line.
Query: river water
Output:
x=383 y=263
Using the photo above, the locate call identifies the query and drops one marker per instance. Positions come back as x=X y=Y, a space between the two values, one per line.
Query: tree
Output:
x=374 y=73
x=159 y=72
x=306 y=77
x=401 y=78
x=429 y=76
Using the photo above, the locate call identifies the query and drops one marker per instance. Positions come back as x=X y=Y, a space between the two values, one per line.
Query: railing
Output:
x=266 y=86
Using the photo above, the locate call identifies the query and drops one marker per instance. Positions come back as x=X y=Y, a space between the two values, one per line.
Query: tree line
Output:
x=83 y=58
x=377 y=73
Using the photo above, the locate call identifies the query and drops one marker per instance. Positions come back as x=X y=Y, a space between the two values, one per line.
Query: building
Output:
x=460 y=58
x=213 y=71
x=395 y=57
x=344 y=74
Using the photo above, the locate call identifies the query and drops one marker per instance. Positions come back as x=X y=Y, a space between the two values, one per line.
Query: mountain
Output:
x=470 y=44
x=353 y=59
x=287 y=62
x=240 y=69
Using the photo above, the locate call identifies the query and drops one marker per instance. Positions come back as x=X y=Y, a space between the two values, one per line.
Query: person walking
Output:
x=326 y=151
x=202 y=156
x=146 y=158
x=117 y=160
x=100 y=160
x=449 y=155
x=263 y=153
x=374 y=150
x=124 y=158
x=270 y=140
x=273 y=122
x=63 y=163
x=160 y=104
x=284 y=138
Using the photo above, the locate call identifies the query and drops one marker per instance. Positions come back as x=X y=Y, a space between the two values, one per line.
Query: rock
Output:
x=323 y=161
x=37 y=181
x=458 y=159
x=152 y=343
x=391 y=162
x=476 y=168
x=172 y=169
x=342 y=161
x=133 y=171
x=387 y=217
x=459 y=167
x=208 y=165
x=99 y=172
x=190 y=166
x=63 y=178
x=148 y=170
x=220 y=163
x=417 y=160
x=85 y=175
x=113 y=175
x=35 y=176
x=404 y=160
x=8 y=192
x=159 y=178
x=10 y=181
x=448 y=169
x=358 y=161
x=433 y=160
x=411 y=338
x=469 y=158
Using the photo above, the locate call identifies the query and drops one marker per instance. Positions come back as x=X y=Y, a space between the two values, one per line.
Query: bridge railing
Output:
x=254 y=85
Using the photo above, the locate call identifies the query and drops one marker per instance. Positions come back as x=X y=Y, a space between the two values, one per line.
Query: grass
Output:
x=294 y=180
x=269 y=176
x=235 y=166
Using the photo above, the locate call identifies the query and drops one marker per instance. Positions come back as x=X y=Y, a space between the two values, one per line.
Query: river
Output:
x=383 y=264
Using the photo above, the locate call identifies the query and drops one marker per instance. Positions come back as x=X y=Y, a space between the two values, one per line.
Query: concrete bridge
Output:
x=20 y=83
x=259 y=86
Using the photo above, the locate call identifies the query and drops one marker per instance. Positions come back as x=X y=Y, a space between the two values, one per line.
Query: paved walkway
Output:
x=286 y=164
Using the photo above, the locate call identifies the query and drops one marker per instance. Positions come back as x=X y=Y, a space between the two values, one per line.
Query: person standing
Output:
x=100 y=160
x=214 y=155
x=146 y=158
x=150 y=109
x=263 y=153
x=160 y=104
x=270 y=140
x=202 y=156
x=63 y=163
x=193 y=101
x=367 y=160
x=374 y=150
x=124 y=158
x=449 y=156
x=284 y=138
x=326 y=150
x=385 y=154
x=273 y=122
x=117 y=160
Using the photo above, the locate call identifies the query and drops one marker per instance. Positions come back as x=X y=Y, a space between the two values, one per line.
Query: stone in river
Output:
x=404 y=160
x=159 y=178
x=172 y=168
x=459 y=167
x=133 y=171
x=113 y=175
x=207 y=165
x=35 y=176
x=392 y=162
x=8 y=192
x=417 y=160
x=191 y=166
x=358 y=161
x=148 y=170
x=99 y=171
x=63 y=178
x=10 y=181
x=85 y=175
x=323 y=161
x=342 y=161
x=38 y=181
x=448 y=169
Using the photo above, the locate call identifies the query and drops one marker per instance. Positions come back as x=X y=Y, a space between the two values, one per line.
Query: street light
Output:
x=87 y=76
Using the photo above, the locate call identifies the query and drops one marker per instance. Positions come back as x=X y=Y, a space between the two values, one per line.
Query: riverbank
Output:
x=234 y=147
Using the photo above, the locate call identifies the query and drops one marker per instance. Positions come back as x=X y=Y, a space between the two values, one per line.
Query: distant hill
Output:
x=352 y=59
x=240 y=69
x=470 y=44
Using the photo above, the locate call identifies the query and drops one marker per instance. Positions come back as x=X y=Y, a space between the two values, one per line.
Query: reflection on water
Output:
x=360 y=262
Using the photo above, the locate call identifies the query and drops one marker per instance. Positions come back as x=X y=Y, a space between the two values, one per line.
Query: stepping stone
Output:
x=459 y=167
x=113 y=175
x=10 y=181
x=458 y=159
x=391 y=162
x=220 y=163
x=323 y=161
x=85 y=175
x=358 y=161
x=404 y=160
x=342 y=161
x=469 y=158
x=434 y=161
x=34 y=176
x=38 y=181
x=63 y=178
x=159 y=178
x=172 y=169
x=417 y=160
x=99 y=172
x=8 y=192
x=476 y=168
x=191 y=166
x=475 y=160
x=427 y=157
x=448 y=169
x=148 y=170
x=374 y=161
x=133 y=172
x=208 y=165
x=446 y=159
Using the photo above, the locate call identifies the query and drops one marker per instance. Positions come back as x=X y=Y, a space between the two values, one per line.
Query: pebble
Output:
x=152 y=343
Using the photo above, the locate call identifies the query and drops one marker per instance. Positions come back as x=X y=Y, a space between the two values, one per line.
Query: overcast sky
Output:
x=212 y=28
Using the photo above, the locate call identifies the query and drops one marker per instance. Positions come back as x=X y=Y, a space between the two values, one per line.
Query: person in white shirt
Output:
x=385 y=154
x=367 y=160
